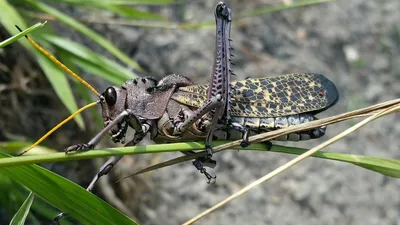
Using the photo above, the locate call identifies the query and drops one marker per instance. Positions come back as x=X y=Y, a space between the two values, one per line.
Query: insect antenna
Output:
x=70 y=72
x=60 y=64
x=58 y=126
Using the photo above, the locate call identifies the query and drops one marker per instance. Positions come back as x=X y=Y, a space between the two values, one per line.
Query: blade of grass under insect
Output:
x=20 y=217
x=389 y=167
x=86 y=31
x=100 y=65
x=21 y=34
x=65 y=195
x=294 y=161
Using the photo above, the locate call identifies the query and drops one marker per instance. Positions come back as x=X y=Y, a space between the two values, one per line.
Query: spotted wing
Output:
x=271 y=96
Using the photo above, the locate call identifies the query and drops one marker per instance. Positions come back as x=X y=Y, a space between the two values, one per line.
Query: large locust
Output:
x=174 y=109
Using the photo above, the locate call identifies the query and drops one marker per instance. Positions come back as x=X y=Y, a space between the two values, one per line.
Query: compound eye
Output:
x=111 y=96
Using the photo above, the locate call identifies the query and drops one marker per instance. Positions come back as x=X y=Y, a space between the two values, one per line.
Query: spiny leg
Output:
x=213 y=103
x=104 y=170
x=220 y=78
x=219 y=89
x=140 y=132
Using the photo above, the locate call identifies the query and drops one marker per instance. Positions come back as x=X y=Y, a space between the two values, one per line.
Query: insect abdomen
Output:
x=260 y=125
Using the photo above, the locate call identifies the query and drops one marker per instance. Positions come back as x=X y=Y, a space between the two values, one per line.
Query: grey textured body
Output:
x=163 y=130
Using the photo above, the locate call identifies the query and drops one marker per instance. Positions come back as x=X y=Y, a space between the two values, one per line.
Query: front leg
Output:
x=140 y=132
x=96 y=139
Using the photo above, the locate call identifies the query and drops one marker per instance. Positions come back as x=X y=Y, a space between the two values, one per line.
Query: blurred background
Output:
x=356 y=44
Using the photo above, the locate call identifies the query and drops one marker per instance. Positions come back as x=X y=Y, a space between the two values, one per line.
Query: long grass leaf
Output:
x=21 y=34
x=20 y=217
x=15 y=147
x=389 y=167
x=86 y=31
x=270 y=9
x=65 y=195
x=83 y=92
x=103 y=67
x=60 y=84
x=9 y=18
x=121 y=2
x=130 y=12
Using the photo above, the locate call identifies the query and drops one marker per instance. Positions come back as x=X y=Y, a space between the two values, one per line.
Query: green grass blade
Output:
x=132 y=13
x=90 y=61
x=389 y=167
x=15 y=147
x=120 y=2
x=270 y=9
x=12 y=194
x=264 y=10
x=20 y=217
x=21 y=34
x=60 y=85
x=86 y=31
x=65 y=195
x=9 y=17
x=83 y=92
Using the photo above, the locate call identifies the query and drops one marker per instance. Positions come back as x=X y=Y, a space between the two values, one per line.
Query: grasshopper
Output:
x=175 y=109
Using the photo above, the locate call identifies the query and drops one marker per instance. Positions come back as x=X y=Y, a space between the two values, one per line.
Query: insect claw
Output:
x=78 y=147
x=209 y=153
x=268 y=144
x=232 y=55
x=211 y=179
x=245 y=141
x=244 y=144
x=199 y=166
x=56 y=220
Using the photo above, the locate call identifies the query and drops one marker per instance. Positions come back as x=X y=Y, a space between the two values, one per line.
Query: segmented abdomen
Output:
x=260 y=125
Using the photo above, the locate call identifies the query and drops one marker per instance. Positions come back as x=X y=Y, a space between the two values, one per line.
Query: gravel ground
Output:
x=356 y=44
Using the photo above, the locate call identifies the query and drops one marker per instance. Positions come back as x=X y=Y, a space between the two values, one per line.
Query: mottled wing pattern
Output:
x=193 y=95
x=271 y=96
